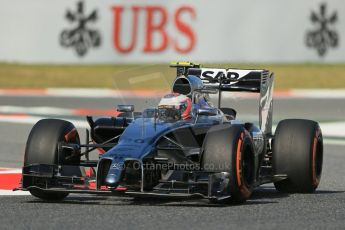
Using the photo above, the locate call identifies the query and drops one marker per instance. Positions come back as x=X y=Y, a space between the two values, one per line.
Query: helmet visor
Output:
x=169 y=113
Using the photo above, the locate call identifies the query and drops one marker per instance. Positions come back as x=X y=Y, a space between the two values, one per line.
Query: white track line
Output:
x=92 y=93
x=318 y=93
x=30 y=120
x=10 y=171
x=334 y=142
x=333 y=129
x=39 y=110
x=13 y=193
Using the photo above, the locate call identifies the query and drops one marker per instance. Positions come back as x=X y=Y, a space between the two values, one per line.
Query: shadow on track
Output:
x=138 y=201
x=267 y=193
x=260 y=196
x=327 y=192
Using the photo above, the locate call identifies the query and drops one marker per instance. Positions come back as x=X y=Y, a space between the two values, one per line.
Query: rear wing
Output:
x=230 y=79
x=238 y=80
x=246 y=80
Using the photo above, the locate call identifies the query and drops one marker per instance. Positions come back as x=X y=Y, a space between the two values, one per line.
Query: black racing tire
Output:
x=298 y=152
x=229 y=148
x=48 y=195
x=42 y=148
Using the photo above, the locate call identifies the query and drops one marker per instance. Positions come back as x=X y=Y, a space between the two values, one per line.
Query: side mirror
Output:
x=207 y=112
x=125 y=108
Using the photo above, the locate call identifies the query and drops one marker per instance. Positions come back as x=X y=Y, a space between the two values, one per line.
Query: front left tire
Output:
x=42 y=148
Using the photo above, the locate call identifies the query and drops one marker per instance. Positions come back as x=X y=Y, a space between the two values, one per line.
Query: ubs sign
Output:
x=158 y=27
x=150 y=35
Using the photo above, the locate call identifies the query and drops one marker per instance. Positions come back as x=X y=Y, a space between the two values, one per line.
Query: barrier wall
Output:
x=128 y=31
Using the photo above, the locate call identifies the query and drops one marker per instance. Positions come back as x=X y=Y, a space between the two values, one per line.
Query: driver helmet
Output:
x=174 y=107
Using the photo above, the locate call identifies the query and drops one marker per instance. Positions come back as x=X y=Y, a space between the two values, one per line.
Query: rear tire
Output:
x=298 y=153
x=229 y=148
x=42 y=148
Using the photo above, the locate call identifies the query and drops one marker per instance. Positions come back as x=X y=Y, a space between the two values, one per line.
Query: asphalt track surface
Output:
x=267 y=209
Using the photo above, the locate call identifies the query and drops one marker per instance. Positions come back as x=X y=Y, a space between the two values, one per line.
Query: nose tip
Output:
x=111 y=180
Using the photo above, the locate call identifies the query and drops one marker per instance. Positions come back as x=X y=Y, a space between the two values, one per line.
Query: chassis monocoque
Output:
x=212 y=155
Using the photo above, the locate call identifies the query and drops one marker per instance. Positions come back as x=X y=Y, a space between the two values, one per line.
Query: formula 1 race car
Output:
x=183 y=148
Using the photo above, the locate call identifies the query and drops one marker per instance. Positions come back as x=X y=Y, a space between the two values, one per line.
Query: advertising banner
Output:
x=134 y=31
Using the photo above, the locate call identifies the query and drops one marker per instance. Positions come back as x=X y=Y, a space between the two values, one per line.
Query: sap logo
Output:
x=214 y=75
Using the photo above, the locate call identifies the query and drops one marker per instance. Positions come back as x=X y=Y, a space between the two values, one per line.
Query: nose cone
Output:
x=109 y=172
x=112 y=180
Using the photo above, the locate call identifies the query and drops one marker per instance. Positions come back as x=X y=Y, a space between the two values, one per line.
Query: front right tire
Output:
x=229 y=148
